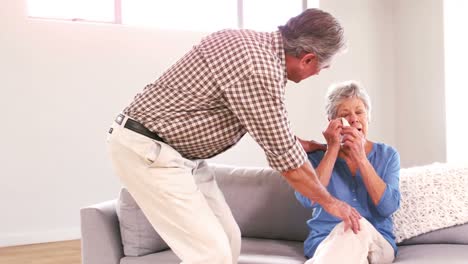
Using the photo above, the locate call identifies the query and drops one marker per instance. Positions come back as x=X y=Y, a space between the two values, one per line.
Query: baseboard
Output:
x=15 y=239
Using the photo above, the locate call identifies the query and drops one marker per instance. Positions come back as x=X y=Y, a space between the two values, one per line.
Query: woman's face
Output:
x=354 y=110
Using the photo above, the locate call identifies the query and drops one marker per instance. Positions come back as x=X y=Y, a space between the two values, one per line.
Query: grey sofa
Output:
x=272 y=222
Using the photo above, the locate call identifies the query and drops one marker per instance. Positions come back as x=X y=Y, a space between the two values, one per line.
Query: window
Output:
x=208 y=15
x=197 y=15
x=78 y=10
x=267 y=15
x=456 y=94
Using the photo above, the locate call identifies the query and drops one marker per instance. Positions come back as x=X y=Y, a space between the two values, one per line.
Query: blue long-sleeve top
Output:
x=345 y=187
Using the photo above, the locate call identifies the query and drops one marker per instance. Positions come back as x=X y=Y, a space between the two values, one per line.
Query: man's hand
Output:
x=312 y=145
x=348 y=214
x=305 y=180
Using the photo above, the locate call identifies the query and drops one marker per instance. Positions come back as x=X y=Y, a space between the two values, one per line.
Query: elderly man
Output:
x=229 y=84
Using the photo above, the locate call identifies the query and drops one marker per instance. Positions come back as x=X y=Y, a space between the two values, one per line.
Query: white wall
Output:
x=62 y=83
x=456 y=56
x=419 y=79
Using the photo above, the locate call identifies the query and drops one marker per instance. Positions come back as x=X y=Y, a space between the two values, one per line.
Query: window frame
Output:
x=119 y=21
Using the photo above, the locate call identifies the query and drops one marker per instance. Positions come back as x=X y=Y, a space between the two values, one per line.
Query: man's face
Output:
x=301 y=68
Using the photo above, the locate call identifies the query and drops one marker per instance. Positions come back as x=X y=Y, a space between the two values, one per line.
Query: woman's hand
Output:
x=354 y=143
x=333 y=133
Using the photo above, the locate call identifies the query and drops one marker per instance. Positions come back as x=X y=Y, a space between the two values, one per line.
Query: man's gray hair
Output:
x=344 y=90
x=313 y=31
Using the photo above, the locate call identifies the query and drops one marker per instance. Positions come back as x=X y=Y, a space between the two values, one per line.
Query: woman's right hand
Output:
x=333 y=133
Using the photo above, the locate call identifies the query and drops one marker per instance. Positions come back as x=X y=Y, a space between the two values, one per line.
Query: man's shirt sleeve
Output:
x=258 y=102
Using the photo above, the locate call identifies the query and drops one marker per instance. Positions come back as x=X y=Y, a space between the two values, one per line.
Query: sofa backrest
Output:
x=263 y=203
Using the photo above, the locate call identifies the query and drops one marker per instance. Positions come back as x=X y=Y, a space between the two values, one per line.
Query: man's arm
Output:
x=270 y=128
x=305 y=181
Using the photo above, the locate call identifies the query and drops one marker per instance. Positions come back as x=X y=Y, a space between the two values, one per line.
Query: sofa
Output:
x=272 y=222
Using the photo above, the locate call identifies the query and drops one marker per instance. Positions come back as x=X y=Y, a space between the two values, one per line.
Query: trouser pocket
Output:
x=153 y=153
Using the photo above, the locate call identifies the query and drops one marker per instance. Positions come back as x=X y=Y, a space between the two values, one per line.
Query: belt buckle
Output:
x=119 y=119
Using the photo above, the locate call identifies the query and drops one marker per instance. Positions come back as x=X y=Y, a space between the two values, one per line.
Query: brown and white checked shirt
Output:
x=231 y=83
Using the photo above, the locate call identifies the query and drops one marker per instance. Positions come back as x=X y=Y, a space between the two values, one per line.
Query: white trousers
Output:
x=367 y=246
x=180 y=198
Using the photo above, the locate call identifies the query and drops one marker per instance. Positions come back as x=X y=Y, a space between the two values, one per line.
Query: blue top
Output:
x=386 y=162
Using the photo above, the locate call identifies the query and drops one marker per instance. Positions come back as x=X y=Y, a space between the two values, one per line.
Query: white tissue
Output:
x=344 y=122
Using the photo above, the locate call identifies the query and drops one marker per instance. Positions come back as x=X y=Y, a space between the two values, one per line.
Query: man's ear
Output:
x=308 y=58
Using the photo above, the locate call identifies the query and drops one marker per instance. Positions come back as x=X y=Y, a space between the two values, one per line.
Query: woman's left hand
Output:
x=355 y=142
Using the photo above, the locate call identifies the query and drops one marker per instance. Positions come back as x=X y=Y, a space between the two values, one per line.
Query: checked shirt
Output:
x=231 y=83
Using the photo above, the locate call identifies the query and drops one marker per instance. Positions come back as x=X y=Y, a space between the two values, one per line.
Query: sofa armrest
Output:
x=100 y=234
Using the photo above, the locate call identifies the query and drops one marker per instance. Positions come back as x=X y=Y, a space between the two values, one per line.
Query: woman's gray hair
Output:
x=344 y=90
x=313 y=31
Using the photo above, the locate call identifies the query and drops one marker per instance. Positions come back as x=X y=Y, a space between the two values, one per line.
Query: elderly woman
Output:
x=364 y=174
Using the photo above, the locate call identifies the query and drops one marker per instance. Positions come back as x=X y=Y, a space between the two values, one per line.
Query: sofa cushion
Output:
x=254 y=251
x=433 y=196
x=138 y=236
x=452 y=235
x=432 y=254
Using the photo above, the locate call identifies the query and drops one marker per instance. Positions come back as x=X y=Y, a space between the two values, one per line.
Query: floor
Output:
x=64 y=252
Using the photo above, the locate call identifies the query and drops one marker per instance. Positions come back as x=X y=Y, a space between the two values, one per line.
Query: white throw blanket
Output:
x=434 y=196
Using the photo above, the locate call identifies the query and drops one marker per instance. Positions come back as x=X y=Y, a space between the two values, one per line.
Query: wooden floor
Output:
x=65 y=252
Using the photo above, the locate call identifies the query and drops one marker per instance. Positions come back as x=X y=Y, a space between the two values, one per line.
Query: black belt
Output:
x=138 y=128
